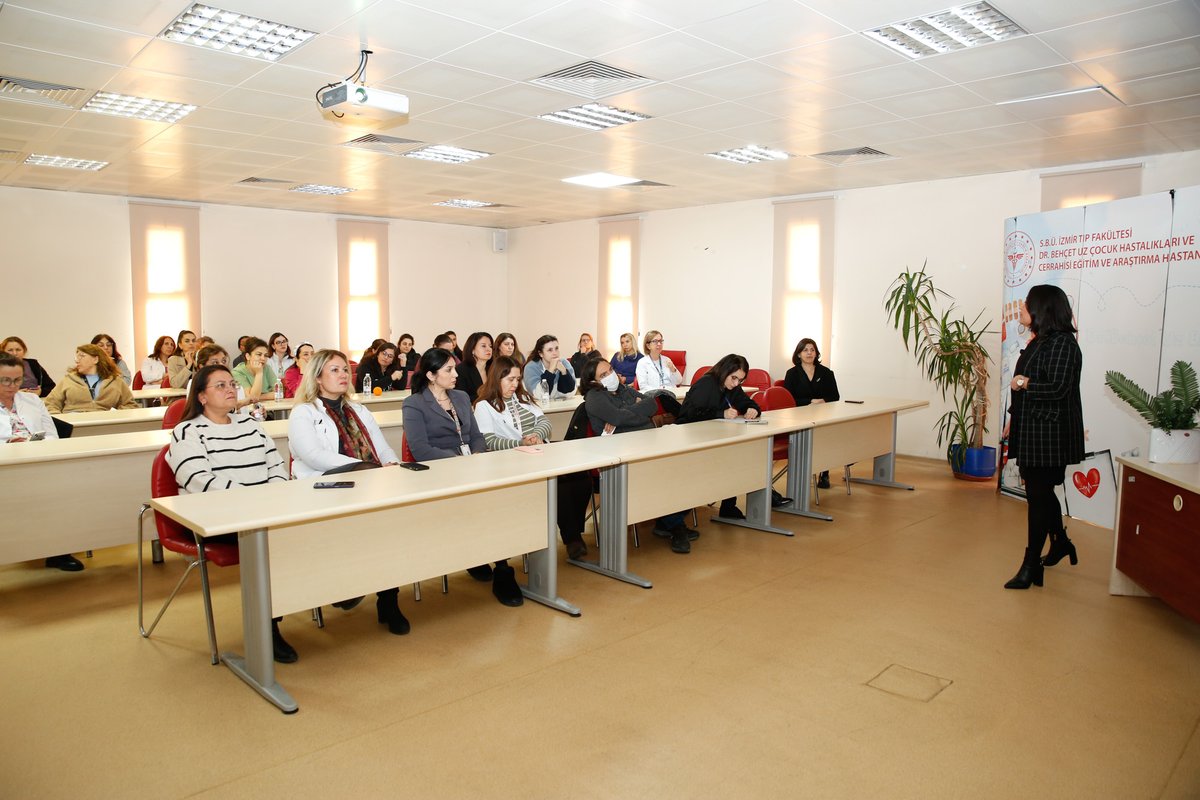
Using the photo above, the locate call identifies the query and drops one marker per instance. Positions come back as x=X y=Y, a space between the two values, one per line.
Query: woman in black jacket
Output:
x=719 y=395
x=37 y=380
x=380 y=365
x=809 y=382
x=1045 y=433
x=472 y=372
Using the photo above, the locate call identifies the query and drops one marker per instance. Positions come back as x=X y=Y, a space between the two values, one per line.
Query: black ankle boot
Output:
x=283 y=652
x=505 y=587
x=387 y=607
x=1029 y=574
x=1060 y=547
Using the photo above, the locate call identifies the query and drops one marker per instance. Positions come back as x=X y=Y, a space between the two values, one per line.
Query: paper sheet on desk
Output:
x=524 y=448
x=744 y=421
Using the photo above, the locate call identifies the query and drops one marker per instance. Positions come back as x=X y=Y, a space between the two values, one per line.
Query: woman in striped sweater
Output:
x=214 y=449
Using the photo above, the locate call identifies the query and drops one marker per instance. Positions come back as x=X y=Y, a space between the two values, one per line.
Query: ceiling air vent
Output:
x=45 y=94
x=264 y=183
x=10 y=156
x=388 y=145
x=593 y=80
x=855 y=155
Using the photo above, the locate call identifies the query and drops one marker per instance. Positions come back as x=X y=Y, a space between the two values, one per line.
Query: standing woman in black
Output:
x=809 y=382
x=1046 y=429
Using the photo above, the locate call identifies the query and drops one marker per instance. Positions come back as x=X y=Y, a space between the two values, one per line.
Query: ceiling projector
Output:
x=364 y=104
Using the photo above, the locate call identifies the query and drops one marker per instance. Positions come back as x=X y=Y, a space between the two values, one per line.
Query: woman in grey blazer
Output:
x=1046 y=430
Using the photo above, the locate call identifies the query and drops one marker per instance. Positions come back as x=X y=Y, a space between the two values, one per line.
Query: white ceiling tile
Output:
x=769 y=27
x=1094 y=121
x=1144 y=62
x=318 y=16
x=802 y=99
x=537 y=130
x=148 y=17
x=1032 y=84
x=886 y=131
x=248 y=101
x=510 y=57
x=522 y=98
x=853 y=116
x=1037 y=16
x=932 y=101
x=789 y=135
x=408 y=29
x=671 y=56
x=720 y=116
x=886 y=81
x=1163 y=87
x=1168 y=110
x=336 y=58
x=739 y=81
x=834 y=57
x=442 y=80
x=231 y=121
x=159 y=86
x=681 y=13
x=587 y=28
x=651 y=130
x=661 y=99
x=182 y=135
x=285 y=80
x=1148 y=26
x=279 y=147
x=487 y=13
x=864 y=16
x=470 y=117
x=189 y=61
x=32 y=112
x=968 y=119
x=51 y=34
x=20 y=62
x=993 y=60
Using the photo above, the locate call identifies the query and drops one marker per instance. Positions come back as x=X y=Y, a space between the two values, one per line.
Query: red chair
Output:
x=138 y=381
x=778 y=382
x=166 y=382
x=177 y=539
x=768 y=400
x=700 y=373
x=405 y=451
x=174 y=414
x=679 y=359
x=759 y=378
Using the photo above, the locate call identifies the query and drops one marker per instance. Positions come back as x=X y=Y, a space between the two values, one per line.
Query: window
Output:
x=619 y=245
x=803 y=280
x=362 y=284
x=164 y=245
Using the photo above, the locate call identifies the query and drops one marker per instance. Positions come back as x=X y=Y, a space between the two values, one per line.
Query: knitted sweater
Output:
x=206 y=456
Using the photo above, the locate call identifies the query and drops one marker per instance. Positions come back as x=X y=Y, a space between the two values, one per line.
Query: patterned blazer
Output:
x=1047 y=430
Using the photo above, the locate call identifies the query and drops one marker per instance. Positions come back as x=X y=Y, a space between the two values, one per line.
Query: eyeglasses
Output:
x=12 y=381
x=656 y=341
x=221 y=386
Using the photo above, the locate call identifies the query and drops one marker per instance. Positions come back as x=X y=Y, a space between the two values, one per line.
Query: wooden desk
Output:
x=392 y=528
x=842 y=433
x=117 y=420
x=83 y=493
x=388 y=401
x=147 y=396
x=559 y=412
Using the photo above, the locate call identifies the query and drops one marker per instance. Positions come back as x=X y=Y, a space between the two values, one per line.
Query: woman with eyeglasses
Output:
x=330 y=432
x=547 y=371
x=182 y=363
x=36 y=380
x=508 y=418
x=213 y=449
x=587 y=347
x=281 y=354
x=93 y=385
x=439 y=423
x=109 y=346
x=472 y=372
x=656 y=371
x=378 y=363
x=295 y=373
x=718 y=395
x=154 y=367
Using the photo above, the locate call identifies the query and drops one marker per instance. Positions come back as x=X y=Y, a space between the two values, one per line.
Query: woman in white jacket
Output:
x=656 y=371
x=330 y=433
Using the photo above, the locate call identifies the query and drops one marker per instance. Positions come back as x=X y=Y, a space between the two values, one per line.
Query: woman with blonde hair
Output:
x=93 y=385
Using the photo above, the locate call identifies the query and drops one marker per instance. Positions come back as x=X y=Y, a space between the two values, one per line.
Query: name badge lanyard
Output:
x=463 y=447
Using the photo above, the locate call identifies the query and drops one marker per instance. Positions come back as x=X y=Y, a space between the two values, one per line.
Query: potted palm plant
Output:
x=950 y=352
x=1171 y=414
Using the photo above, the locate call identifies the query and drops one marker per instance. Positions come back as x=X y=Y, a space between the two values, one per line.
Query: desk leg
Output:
x=883 y=473
x=799 y=477
x=542 y=585
x=614 y=538
x=258 y=666
x=758 y=504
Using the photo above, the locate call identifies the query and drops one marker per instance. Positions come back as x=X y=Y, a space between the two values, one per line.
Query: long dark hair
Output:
x=158 y=347
x=192 y=407
x=1049 y=310
x=100 y=337
x=468 y=357
x=370 y=360
x=504 y=337
x=536 y=354
x=490 y=393
x=432 y=360
x=587 y=376
x=727 y=366
x=805 y=342
x=271 y=345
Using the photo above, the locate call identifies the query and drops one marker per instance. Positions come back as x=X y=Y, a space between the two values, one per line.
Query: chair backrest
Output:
x=174 y=414
x=778 y=382
x=758 y=377
x=700 y=371
x=679 y=359
x=138 y=381
x=579 y=427
x=760 y=399
x=165 y=383
x=173 y=536
x=406 y=452
x=774 y=397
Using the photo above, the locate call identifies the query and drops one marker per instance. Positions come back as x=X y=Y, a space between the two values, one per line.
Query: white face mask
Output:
x=610 y=381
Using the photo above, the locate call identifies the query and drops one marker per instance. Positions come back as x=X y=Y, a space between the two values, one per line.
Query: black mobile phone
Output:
x=415 y=466
x=855 y=402
x=333 y=485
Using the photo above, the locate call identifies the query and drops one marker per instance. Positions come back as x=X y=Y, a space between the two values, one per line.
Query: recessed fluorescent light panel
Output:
x=230 y=32
x=318 y=188
x=459 y=202
x=594 y=116
x=947 y=31
x=63 y=162
x=121 y=105
x=601 y=180
x=446 y=154
x=751 y=154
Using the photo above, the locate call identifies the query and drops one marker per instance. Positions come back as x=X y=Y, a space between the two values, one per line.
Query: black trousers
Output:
x=574 y=493
x=1044 y=512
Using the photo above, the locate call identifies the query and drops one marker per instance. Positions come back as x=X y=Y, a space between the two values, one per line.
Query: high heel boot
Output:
x=1060 y=547
x=387 y=606
x=1029 y=574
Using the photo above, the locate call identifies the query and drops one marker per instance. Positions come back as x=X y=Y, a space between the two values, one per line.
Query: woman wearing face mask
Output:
x=93 y=385
x=473 y=370
x=36 y=380
x=656 y=371
x=718 y=394
x=612 y=407
x=182 y=362
x=625 y=362
x=439 y=423
x=295 y=373
x=254 y=374
x=547 y=371
x=106 y=343
x=281 y=353
x=154 y=368
x=508 y=418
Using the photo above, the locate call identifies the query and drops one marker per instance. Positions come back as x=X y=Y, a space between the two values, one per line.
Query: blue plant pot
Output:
x=978 y=464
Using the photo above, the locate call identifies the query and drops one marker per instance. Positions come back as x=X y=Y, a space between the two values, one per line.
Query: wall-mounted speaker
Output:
x=499 y=241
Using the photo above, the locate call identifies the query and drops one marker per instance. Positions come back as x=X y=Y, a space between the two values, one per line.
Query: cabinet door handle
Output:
x=1177 y=503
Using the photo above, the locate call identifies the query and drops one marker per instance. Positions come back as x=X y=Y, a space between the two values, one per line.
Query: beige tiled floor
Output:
x=742 y=673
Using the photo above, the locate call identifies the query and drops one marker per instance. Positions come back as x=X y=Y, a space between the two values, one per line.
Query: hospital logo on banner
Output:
x=1020 y=257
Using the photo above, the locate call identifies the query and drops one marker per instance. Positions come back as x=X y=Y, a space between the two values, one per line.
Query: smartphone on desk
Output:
x=333 y=485
x=415 y=466
x=854 y=402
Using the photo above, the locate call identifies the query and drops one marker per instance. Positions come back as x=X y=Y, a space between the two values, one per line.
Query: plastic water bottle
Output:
x=366 y=384
x=545 y=392
x=278 y=389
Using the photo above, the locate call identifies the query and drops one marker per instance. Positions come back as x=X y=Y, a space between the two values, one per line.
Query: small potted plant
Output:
x=951 y=354
x=1172 y=414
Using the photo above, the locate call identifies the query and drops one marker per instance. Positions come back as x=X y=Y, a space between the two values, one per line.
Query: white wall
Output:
x=553 y=279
